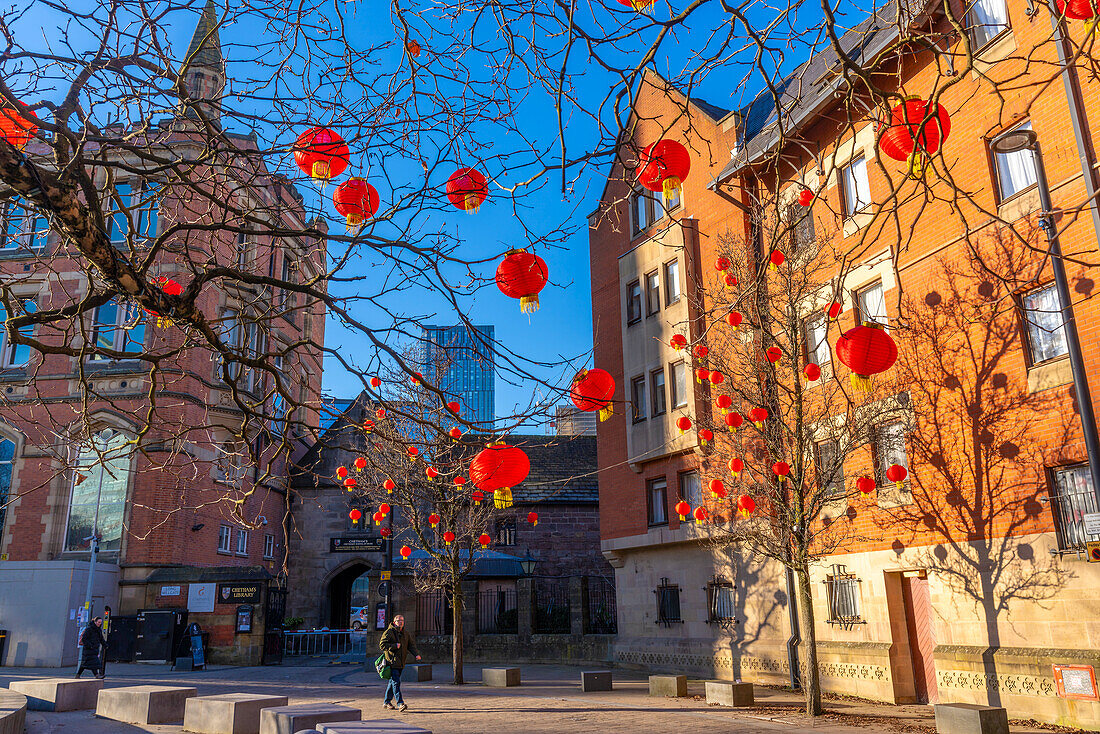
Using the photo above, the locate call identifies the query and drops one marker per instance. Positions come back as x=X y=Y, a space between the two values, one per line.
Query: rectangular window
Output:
x=857 y=191
x=657 y=391
x=244 y=249
x=634 y=302
x=816 y=333
x=678 y=384
x=842 y=591
x=656 y=492
x=24 y=227
x=691 y=489
x=227 y=463
x=232 y=334
x=652 y=293
x=889 y=449
x=668 y=604
x=506 y=531
x=801 y=223
x=133 y=217
x=1046 y=333
x=15 y=355
x=1016 y=170
x=242 y=542
x=119 y=328
x=639 y=212
x=720 y=602
x=986 y=19
x=671 y=200
x=269 y=546
x=871 y=304
x=830 y=467
x=672 y=282
x=225 y=536
x=637 y=398
x=1072 y=498
x=101 y=480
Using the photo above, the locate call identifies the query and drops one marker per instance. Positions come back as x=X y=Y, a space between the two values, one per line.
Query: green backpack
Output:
x=382 y=667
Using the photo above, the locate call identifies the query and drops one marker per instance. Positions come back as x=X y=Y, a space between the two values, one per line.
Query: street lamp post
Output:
x=1012 y=142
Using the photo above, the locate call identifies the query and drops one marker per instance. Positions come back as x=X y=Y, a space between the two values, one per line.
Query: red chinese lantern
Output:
x=448 y=537
x=745 y=506
x=522 y=275
x=454 y=407
x=723 y=403
x=730 y=280
x=412 y=451
x=721 y=264
x=758 y=416
x=1076 y=9
x=413 y=48
x=866 y=485
x=916 y=131
x=497 y=469
x=389 y=486
x=776 y=259
x=406 y=551
x=384 y=508
x=356 y=200
x=701 y=515
x=484 y=539
x=18 y=126
x=734 y=319
x=705 y=435
x=700 y=351
x=375 y=382
x=716 y=377
x=702 y=373
x=774 y=354
x=478 y=496
x=683 y=509
x=896 y=473
x=467 y=189
x=355 y=515
x=459 y=480
x=782 y=469
x=533 y=518
x=368 y=426
x=416 y=378
x=350 y=483
x=433 y=519
x=321 y=153
x=834 y=310
x=684 y=424
x=866 y=350
x=378 y=518
x=663 y=166
x=636 y=4
x=736 y=466
x=733 y=421
x=678 y=341
x=717 y=488
x=385 y=532
x=455 y=433
x=360 y=463
x=341 y=472
x=168 y=287
x=805 y=197
x=592 y=390
x=812 y=372
x=380 y=413
x=431 y=472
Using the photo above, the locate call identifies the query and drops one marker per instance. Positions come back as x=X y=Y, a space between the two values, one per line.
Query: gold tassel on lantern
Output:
x=473 y=203
x=502 y=498
x=529 y=304
x=918 y=161
x=861 y=382
x=670 y=186
x=606 y=413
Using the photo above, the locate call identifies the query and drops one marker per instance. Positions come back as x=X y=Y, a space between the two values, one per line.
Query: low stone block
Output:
x=668 y=685
x=595 y=680
x=379 y=726
x=230 y=713
x=500 y=677
x=418 y=673
x=969 y=718
x=13 y=712
x=143 y=704
x=290 y=719
x=59 y=694
x=725 y=693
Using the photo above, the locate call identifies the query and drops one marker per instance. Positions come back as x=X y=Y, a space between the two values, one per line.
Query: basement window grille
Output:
x=668 y=604
x=720 y=607
x=842 y=590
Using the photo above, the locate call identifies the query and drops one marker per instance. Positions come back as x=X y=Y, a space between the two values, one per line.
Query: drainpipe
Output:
x=796 y=638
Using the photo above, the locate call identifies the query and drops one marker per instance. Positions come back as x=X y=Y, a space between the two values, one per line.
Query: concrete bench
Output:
x=59 y=694
x=378 y=726
x=500 y=677
x=725 y=693
x=595 y=680
x=143 y=704
x=229 y=713
x=668 y=685
x=417 y=673
x=13 y=712
x=969 y=718
x=290 y=719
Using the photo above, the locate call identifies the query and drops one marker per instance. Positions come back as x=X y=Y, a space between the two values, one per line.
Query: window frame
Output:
x=505 y=527
x=878 y=453
x=652 y=295
x=632 y=316
x=976 y=47
x=672 y=267
x=639 y=203
x=811 y=353
x=686 y=495
x=656 y=409
x=668 y=596
x=120 y=335
x=26 y=237
x=851 y=208
x=141 y=188
x=857 y=304
x=242 y=540
x=7 y=474
x=652 y=486
x=1026 y=325
x=996 y=159
x=225 y=533
x=841 y=586
x=835 y=489
x=799 y=219
x=269 y=546
x=674 y=399
x=8 y=350
x=1061 y=512
x=637 y=415
x=713 y=588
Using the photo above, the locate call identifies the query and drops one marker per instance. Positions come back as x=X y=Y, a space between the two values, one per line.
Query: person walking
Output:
x=396 y=645
x=92 y=643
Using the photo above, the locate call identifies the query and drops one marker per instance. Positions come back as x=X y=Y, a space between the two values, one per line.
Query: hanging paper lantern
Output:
x=459 y=481
x=736 y=466
x=484 y=539
x=896 y=473
x=592 y=390
x=412 y=451
x=683 y=509
x=663 y=166
x=701 y=515
x=730 y=280
x=349 y=483
x=805 y=197
x=433 y=519
x=341 y=472
x=385 y=532
x=745 y=506
x=375 y=382
x=378 y=518
x=867 y=350
x=723 y=403
x=368 y=426
x=777 y=258
x=717 y=488
x=916 y=131
x=384 y=508
x=497 y=469
x=448 y=537
x=389 y=486
x=454 y=407
x=356 y=200
x=781 y=469
x=758 y=416
x=522 y=275
x=701 y=374
x=866 y=485
x=700 y=351
x=533 y=518
x=380 y=413
x=684 y=424
x=774 y=354
x=638 y=5
x=705 y=435
x=168 y=287
x=467 y=189
x=478 y=496
x=812 y=372
x=321 y=153
x=734 y=319
x=360 y=463
x=355 y=515
x=416 y=378
x=405 y=551
x=733 y=421
x=834 y=310
x=721 y=264
x=18 y=125
x=1077 y=9
x=413 y=47
x=431 y=472
x=455 y=433
x=678 y=341
x=716 y=377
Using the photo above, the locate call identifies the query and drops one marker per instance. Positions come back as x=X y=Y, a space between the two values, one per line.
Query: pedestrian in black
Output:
x=92 y=643
x=396 y=644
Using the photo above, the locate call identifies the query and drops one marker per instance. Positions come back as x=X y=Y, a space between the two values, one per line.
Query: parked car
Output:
x=360 y=617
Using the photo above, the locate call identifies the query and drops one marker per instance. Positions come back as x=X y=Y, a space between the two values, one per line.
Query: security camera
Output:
x=262 y=519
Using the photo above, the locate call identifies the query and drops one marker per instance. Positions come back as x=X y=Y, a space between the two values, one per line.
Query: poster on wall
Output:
x=200 y=597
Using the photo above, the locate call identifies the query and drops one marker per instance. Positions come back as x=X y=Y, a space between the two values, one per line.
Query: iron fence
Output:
x=496 y=612
x=602 y=617
x=434 y=615
x=1072 y=500
x=323 y=642
x=551 y=613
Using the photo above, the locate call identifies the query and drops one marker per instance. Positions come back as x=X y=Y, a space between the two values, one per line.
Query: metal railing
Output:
x=551 y=612
x=434 y=615
x=602 y=616
x=1071 y=501
x=323 y=642
x=497 y=613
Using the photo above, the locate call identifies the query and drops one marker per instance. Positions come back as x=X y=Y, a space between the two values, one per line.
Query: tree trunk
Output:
x=456 y=632
x=811 y=675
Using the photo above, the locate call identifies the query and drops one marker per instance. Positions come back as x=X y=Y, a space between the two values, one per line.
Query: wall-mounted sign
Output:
x=239 y=593
x=355 y=545
x=244 y=619
x=169 y=591
x=1091 y=521
x=1076 y=681
x=200 y=597
x=1092 y=551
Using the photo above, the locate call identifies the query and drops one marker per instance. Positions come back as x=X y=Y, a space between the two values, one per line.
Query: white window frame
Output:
x=227 y=464
x=225 y=539
x=638 y=406
x=23 y=227
x=1055 y=338
x=986 y=21
x=269 y=546
x=1017 y=171
x=863 y=304
x=242 y=542
x=146 y=211
x=816 y=333
x=672 y=282
x=678 y=373
x=890 y=448
x=855 y=185
x=128 y=320
x=8 y=351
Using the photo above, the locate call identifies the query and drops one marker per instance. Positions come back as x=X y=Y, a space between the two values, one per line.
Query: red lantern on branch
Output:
x=663 y=166
x=776 y=259
x=805 y=197
x=355 y=200
x=433 y=519
x=683 y=509
x=730 y=280
x=321 y=153
x=448 y=537
x=380 y=413
x=375 y=382
x=684 y=424
x=431 y=472
x=368 y=426
x=406 y=551
x=733 y=421
x=484 y=539
x=678 y=342
x=916 y=131
x=592 y=390
x=459 y=480
x=782 y=469
x=454 y=407
x=701 y=515
x=734 y=319
x=478 y=496
x=341 y=471
x=1077 y=9
x=355 y=515
x=700 y=351
x=385 y=532
x=896 y=473
x=866 y=350
x=467 y=189
x=636 y=4
x=497 y=469
x=716 y=377
x=705 y=436
x=412 y=452
x=758 y=416
x=702 y=373
x=812 y=372
x=384 y=508
x=745 y=506
x=723 y=403
x=721 y=264
x=834 y=310
x=736 y=466
x=389 y=486
x=349 y=483
x=360 y=463
x=455 y=433
x=717 y=488
x=774 y=354
x=379 y=517
x=522 y=275
x=533 y=518
x=18 y=125
x=865 y=485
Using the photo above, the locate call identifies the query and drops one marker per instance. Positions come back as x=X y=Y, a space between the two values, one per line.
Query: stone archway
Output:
x=338 y=587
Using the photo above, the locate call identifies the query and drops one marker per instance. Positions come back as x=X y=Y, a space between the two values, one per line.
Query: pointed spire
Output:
x=206 y=45
x=204 y=76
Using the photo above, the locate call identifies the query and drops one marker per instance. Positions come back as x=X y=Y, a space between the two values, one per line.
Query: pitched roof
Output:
x=206 y=44
x=563 y=470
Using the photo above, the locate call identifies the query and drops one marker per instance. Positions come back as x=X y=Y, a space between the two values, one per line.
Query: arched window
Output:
x=100 y=478
x=7 y=465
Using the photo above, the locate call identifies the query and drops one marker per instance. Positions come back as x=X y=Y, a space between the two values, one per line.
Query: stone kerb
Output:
x=675 y=686
x=419 y=672
x=378 y=726
x=13 y=712
x=59 y=694
x=291 y=719
x=970 y=718
x=230 y=713
x=726 y=693
x=143 y=704
x=500 y=677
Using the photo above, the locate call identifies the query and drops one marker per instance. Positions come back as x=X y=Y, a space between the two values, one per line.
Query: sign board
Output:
x=380 y=617
x=169 y=591
x=198 y=655
x=244 y=619
x=1092 y=523
x=355 y=545
x=3 y=556
x=1092 y=551
x=386 y=575
x=383 y=588
x=243 y=593
x=200 y=597
x=1076 y=681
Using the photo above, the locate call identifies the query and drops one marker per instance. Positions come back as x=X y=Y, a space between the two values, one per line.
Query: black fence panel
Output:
x=496 y=612
x=602 y=617
x=551 y=613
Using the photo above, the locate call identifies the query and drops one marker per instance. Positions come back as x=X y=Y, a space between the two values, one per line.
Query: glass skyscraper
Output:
x=460 y=362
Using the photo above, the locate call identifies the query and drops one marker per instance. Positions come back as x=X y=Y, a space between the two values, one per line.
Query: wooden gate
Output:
x=922 y=641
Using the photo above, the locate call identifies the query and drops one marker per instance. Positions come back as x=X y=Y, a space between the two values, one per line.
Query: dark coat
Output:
x=91 y=647
x=395 y=655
